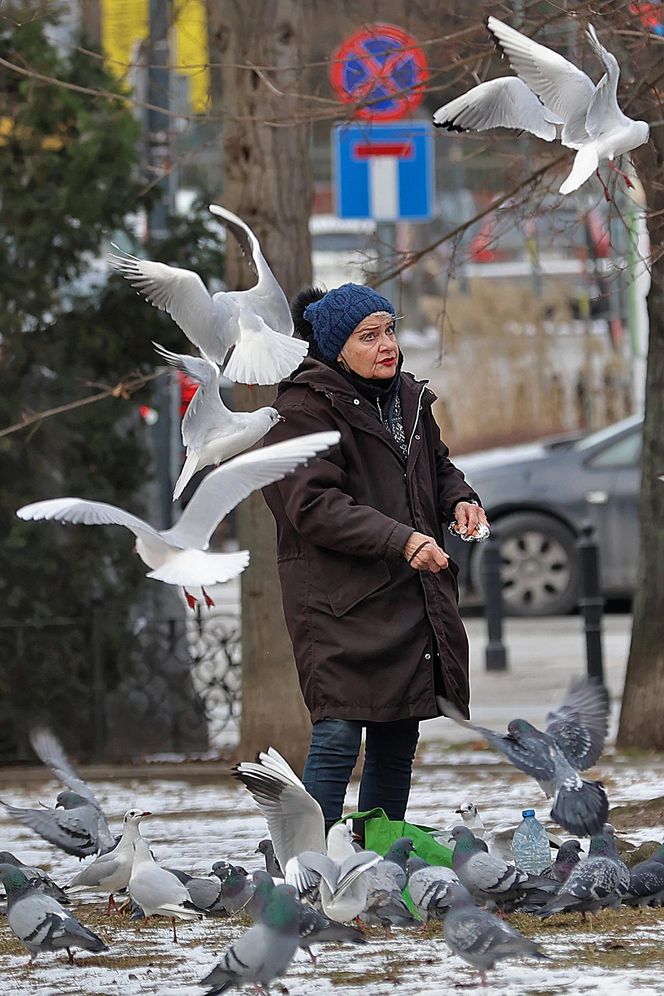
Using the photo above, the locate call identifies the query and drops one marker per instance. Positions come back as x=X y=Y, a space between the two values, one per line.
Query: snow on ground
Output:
x=210 y=818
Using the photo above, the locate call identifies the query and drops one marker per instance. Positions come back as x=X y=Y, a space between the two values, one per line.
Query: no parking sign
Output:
x=384 y=66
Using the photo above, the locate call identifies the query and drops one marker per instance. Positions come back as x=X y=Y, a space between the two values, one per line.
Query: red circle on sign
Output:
x=383 y=65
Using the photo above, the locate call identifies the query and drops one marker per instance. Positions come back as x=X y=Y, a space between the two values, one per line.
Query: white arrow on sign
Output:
x=383 y=163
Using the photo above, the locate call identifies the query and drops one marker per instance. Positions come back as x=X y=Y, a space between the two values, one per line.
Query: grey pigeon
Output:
x=110 y=872
x=36 y=876
x=265 y=952
x=272 y=866
x=41 y=923
x=385 y=905
x=646 y=882
x=236 y=886
x=486 y=877
x=594 y=883
x=567 y=858
x=480 y=937
x=205 y=893
x=398 y=855
x=573 y=741
x=429 y=888
x=73 y=825
x=611 y=851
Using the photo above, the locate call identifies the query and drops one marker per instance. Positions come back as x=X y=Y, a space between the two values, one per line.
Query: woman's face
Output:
x=371 y=349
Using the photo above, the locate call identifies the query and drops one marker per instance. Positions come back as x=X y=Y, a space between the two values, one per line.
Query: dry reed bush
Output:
x=516 y=366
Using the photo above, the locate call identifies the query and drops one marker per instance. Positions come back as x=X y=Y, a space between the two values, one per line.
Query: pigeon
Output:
x=573 y=741
x=611 y=851
x=110 y=872
x=236 y=888
x=83 y=829
x=178 y=555
x=568 y=857
x=205 y=893
x=265 y=952
x=498 y=838
x=646 y=882
x=156 y=890
x=502 y=103
x=41 y=923
x=36 y=876
x=487 y=877
x=256 y=322
x=385 y=905
x=595 y=882
x=211 y=432
x=593 y=123
x=429 y=888
x=480 y=937
x=272 y=866
x=313 y=927
x=398 y=855
x=73 y=825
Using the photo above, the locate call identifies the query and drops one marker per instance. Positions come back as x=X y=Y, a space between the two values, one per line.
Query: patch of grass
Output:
x=643 y=813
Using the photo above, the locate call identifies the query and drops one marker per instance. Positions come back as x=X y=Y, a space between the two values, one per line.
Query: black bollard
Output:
x=591 y=601
x=495 y=654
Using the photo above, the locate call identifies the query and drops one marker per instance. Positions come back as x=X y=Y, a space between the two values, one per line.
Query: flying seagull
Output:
x=211 y=432
x=256 y=322
x=180 y=555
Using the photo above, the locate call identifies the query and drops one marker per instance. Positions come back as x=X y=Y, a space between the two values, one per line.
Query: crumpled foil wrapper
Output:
x=481 y=533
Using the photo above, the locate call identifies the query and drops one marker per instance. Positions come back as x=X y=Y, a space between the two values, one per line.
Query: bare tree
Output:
x=267 y=181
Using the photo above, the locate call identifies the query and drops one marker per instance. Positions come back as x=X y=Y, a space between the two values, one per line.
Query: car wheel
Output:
x=540 y=568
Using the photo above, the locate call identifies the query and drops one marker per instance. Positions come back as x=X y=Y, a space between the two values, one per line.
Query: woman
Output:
x=370 y=596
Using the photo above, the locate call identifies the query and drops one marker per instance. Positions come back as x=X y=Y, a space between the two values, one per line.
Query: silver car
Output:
x=537 y=497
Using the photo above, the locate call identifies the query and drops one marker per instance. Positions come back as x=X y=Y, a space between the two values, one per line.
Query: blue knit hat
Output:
x=338 y=312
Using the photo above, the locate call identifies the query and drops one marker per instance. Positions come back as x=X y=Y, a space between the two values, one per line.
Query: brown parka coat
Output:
x=367 y=630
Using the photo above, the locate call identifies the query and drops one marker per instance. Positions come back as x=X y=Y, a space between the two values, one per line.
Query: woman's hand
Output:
x=423 y=553
x=468 y=517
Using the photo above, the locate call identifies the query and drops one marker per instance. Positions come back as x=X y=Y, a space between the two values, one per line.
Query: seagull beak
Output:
x=146 y=814
x=281 y=419
x=459 y=811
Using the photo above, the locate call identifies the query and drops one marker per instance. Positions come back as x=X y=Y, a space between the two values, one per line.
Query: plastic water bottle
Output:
x=530 y=845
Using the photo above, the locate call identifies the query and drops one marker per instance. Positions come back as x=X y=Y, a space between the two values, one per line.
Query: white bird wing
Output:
x=294 y=817
x=87 y=513
x=561 y=86
x=502 y=103
x=226 y=487
x=267 y=296
x=50 y=752
x=183 y=295
x=261 y=355
x=206 y=411
x=604 y=114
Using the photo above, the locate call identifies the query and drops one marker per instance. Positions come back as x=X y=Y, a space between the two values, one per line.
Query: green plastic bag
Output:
x=380 y=832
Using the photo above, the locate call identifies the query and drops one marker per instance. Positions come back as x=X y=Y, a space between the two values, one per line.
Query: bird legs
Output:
x=175 y=936
x=112 y=905
x=628 y=182
x=192 y=602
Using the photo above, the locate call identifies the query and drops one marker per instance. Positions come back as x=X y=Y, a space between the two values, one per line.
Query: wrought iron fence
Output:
x=166 y=686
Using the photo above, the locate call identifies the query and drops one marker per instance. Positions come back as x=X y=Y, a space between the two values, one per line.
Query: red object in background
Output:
x=382 y=64
x=651 y=14
x=188 y=388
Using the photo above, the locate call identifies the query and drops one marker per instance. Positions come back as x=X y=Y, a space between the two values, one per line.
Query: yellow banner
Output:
x=125 y=23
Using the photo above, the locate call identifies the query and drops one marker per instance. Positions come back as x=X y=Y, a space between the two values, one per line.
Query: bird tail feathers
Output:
x=582 y=811
x=586 y=162
x=193 y=568
x=189 y=469
x=263 y=356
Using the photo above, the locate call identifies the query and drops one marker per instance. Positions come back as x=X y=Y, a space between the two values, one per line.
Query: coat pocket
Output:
x=362 y=582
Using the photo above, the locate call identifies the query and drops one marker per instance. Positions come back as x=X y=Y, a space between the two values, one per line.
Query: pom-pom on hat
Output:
x=335 y=316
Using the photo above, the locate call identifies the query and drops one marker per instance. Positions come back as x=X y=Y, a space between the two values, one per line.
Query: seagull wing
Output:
x=604 y=114
x=87 y=513
x=183 y=295
x=294 y=817
x=580 y=726
x=266 y=296
x=560 y=85
x=503 y=103
x=206 y=412
x=226 y=487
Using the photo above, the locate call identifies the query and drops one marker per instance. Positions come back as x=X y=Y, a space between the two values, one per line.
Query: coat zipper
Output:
x=417 y=416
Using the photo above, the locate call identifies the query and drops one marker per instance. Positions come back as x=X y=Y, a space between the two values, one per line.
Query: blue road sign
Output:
x=384 y=171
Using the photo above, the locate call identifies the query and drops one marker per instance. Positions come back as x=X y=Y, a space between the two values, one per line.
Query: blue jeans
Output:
x=388 y=764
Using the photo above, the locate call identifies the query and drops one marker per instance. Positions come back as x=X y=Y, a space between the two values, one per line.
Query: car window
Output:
x=625 y=452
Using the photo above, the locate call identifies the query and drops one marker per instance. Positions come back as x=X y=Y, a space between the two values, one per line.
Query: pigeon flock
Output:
x=326 y=889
